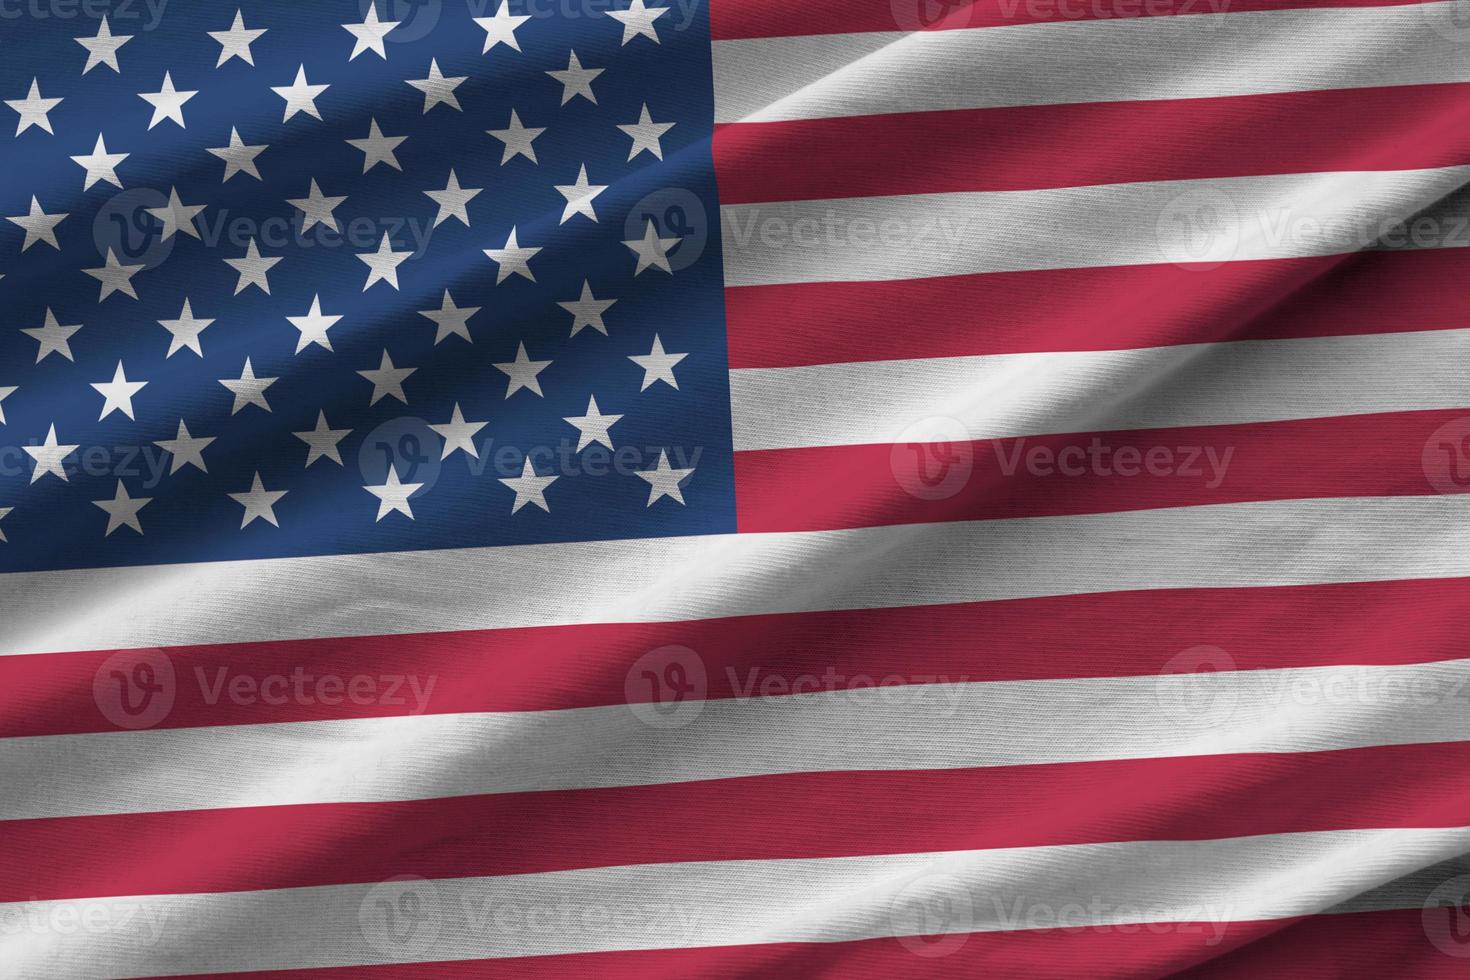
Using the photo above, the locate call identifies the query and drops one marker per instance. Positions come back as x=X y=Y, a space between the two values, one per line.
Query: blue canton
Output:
x=335 y=277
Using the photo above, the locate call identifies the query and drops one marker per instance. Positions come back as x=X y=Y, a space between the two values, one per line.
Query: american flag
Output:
x=652 y=488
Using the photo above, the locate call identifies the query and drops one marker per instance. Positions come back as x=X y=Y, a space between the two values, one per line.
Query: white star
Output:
x=370 y=34
x=253 y=269
x=588 y=311
x=322 y=441
x=393 y=495
x=657 y=365
x=437 y=88
x=235 y=42
x=4 y=394
x=452 y=320
x=529 y=488
x=638 y=19
x=663 y=481
x=39 y=226
x=576 y=80
x=378 y=148
x=186 y=330
x=453 y=201
x=122 y=510
x=53 y=337
x=313 y=326
x=102 y=49
x=167 y=102
x=501 y=29
x=101 y=165
x=646 y=134
x=185 y=449
x=33 y=110
x=513 y=259
x=258 y=502
x=118 y=393
x=522 y=372
x=115 y=277
x=579 y=197
x=3 y=512
x=50 y=457
x=238 y=157
x=387 y=379
x=517 y=139
x=459 y=434
x=652 y=251
x=300 y=96
x=317 y=208
x=593 y=426
x=248 y=389
x=177 y=216
x=383 y=264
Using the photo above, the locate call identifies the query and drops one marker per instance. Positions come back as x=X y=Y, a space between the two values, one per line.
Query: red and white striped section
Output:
x=1026 y=242
x=1020 y=263
x=1098 y=608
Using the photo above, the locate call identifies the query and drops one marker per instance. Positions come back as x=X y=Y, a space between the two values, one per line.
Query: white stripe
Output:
x=1194 y=223
x=1004 y=395
x=920 y=726
x=1204 y=56
x=721 y=903
x=1294 y=542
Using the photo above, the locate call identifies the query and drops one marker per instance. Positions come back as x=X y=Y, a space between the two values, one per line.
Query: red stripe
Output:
x=1112 y=634
x=736 y=19
x=1366 y=944
x=1098 y=309
x=808 y=815
x=1360 y=944
x=1028 y=147
x=1091 y=473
